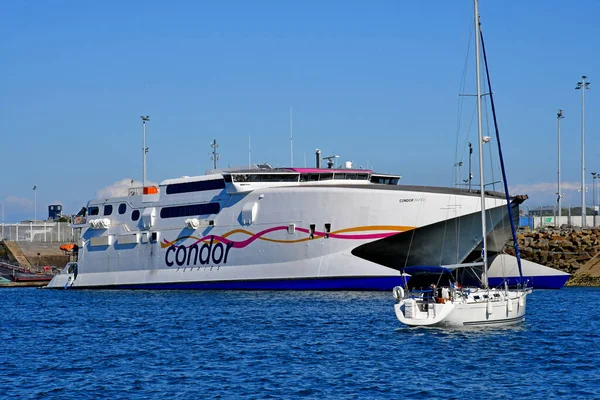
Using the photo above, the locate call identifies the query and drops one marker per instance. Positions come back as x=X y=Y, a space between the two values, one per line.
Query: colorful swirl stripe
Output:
x=339 y=234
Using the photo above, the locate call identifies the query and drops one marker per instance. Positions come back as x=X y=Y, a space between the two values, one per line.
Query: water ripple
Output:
x=262 y=345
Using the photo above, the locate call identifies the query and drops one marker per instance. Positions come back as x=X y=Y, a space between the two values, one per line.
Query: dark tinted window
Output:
x=309 y=177
x=227 y=178
x=385 y=180
x=93 y=211
x=135 y=215
x=265 y=178
x=122 y=208
x=192 y=209
x=197 y=186
x=325 y=177
x=108 y=209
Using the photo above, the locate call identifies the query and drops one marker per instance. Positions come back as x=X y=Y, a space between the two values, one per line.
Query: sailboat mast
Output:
x=480 y=136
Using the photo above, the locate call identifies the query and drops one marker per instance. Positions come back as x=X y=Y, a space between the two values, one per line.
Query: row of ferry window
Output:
x=295 y=177
x=165 y=212
x=108 y=209
x=216 y=184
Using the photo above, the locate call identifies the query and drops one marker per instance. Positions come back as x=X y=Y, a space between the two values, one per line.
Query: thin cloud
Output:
x=18 y=202
x=543 y=188
x=120 y=188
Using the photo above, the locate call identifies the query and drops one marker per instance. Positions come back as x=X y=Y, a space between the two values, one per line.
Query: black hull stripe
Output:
x=495 y=321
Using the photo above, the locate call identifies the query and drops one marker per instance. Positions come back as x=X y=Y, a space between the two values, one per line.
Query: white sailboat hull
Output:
x=507 y=308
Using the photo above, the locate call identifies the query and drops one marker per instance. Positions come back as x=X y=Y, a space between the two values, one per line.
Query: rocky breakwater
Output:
x=573 y=250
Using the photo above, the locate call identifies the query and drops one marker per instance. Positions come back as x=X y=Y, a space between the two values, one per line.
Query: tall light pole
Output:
x=583 y=86
x=594 y=176
x=291 y=141
x=214 y=155
x=145 y=118
x=34 y=203
x=559 y=116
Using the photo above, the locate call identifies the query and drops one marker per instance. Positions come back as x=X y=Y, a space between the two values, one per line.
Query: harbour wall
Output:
x=34 y=256
x=573 y=250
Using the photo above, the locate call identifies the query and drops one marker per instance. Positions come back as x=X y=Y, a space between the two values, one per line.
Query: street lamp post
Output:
x=559 y=116
x=594 y=176
x=583 y=86
x=34 y=203
x=145 y=118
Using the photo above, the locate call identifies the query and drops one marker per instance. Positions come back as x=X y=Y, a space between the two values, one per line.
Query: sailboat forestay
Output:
x=434 y=295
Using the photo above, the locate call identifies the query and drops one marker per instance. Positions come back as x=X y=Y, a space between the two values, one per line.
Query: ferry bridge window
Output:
x=309 y=177
x=122 y=208
x=93 y=211
x=198 y=186
x=362 y=177
x=108 y=209
x=265 y=178
x=135 y=215
x=227 y=178
x=191 y=209
x=325 y=177
x=385 y=180
x=339 y=176
x=240 y=178
x=351 y=176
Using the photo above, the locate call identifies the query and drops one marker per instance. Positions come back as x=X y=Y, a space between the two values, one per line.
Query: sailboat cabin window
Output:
x=198 y=186
x=108 y=209
x=191 y=209
x=93 y=211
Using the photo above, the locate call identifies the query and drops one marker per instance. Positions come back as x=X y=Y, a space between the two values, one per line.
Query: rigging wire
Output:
x=512 y=222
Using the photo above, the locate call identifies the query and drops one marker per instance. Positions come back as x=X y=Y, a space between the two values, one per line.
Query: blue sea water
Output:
x=212 y=344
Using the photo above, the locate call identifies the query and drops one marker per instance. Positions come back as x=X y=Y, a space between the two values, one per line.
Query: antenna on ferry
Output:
x=214 y=155
x=145 y=118
x=291 y=141
x=331 y=160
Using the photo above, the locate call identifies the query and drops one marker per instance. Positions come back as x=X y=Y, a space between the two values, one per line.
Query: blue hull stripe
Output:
x=536 y=282
x=379 y=283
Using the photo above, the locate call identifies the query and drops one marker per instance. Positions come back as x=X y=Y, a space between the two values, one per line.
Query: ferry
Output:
x=278 y=228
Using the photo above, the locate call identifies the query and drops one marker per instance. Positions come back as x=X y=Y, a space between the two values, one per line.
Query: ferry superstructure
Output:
x=275 y=228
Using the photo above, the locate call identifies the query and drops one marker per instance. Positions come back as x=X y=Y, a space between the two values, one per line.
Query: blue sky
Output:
x=373 y=82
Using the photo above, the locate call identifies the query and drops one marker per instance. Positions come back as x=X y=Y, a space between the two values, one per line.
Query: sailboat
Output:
x=435 y=295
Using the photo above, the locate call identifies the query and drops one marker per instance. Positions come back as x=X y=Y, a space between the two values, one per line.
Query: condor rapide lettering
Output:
x=209 y=253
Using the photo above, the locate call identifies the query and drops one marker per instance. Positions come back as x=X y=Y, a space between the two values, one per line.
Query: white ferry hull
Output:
x=299 y=238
